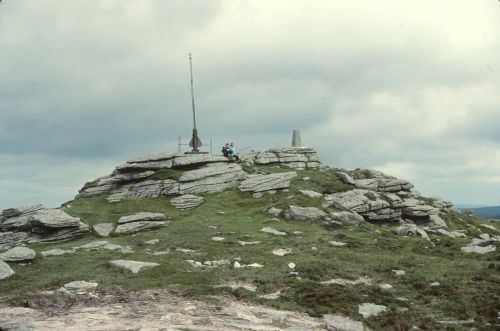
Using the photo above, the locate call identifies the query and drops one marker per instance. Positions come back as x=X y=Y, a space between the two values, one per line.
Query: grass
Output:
x=468 y=281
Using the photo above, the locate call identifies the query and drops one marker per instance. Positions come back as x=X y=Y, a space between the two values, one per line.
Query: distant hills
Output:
x=484 y=212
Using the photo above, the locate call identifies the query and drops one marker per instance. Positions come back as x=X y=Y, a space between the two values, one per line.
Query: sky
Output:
x=410 y=88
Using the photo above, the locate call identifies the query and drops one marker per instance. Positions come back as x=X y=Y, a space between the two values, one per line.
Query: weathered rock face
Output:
x=103 y=229
x=262 y=183
x=187 y=201
x=36 y=224
x=347 y=218
x=183 y=174
x=293 y=157
x=379 y=197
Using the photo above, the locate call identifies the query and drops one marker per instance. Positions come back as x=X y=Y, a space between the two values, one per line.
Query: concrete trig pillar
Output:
x=296 y=141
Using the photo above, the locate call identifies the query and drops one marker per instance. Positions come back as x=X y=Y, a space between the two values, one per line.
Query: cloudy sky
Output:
x=411 y=88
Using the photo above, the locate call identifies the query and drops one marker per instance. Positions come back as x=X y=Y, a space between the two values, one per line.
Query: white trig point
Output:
x=296 y=141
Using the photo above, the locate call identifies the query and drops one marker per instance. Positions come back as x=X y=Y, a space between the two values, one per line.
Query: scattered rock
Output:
x=345 y=178
x=5 y=270
x=341 y=281
x=296 y=213
x=244 y=243
x=385 y=286
x=253 y=265
x=186 y=201
x=342 y=323
x=94 y=244
x=291 y=265
x=399 y=272
x=435 y=284
x=218 y=238
x=17 y=254
x=236 y=265
x=368 y=310
x=489 y=226
x=80 y=286
x=282 y=251
x=311 y=194
x=257 y=195
x=271 y=296
x=133 y=266
x=103 y=229
x=337 y=243
x=437 y=222
x=152 y=242
x=275 y=212
x=235 y=286
x=273 y=231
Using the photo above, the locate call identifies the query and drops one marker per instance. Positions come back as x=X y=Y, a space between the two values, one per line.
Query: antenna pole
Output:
x=192 y=91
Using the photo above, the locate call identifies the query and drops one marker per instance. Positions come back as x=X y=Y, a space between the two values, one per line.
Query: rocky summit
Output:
x=277 y=241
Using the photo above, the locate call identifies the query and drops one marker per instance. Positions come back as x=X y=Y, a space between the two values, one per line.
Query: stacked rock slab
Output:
x=187 y=201
x=293 y=157
x=139 y=222
x=379 y=197
x=262 y=183
x=35 y=224
x=149 y=177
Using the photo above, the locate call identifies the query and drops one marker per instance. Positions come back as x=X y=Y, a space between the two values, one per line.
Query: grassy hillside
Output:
x=468 y=282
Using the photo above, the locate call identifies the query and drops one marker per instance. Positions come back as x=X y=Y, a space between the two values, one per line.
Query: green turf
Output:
x=468 y=281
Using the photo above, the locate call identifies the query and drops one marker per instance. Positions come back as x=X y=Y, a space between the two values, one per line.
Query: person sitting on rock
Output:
x=226 y=152
x=232 y=152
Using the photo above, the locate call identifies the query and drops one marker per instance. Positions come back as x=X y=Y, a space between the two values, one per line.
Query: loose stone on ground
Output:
x=133 y=266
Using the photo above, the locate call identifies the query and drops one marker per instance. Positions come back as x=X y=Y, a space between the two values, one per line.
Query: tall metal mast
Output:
x=195 y=142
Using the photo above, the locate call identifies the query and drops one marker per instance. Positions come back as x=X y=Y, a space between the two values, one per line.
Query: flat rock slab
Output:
x=103 y=229
x=56 y=252
x=261 y=183
x=152 y=242
x=368 y=310
x=18 y=254
x=142 y=216
x=133 y=266
x=244 y=243
x=186 y=201
x=342 y=323
x=138 y=226
x=54 y=218
x=342 y=281
x=94 y=244
x=5 y=270
x=273 y=231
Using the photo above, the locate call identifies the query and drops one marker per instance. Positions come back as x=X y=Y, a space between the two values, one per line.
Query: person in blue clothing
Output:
x=232 y=152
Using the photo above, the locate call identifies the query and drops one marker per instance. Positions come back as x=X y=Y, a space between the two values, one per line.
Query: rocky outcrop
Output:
x=35 y=224
x=187 y=201
x=293 y=157
x=379 y=197
x=166 y=175
x=295 y=213
x=262 y=183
